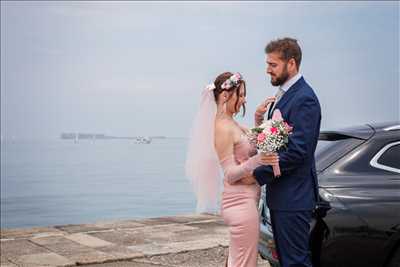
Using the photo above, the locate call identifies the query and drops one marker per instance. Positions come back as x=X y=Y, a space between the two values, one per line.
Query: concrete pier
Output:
x=186 y=240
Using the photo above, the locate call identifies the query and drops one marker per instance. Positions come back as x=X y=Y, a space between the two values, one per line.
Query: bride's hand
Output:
x=270 y=158
x=262 y=108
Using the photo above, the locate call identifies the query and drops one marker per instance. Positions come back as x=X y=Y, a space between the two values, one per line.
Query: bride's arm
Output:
x=233 y=171
x=244 y=128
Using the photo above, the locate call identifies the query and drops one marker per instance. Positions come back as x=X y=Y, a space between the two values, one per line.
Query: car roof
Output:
x=386 y=126
x=364 y=132
x=360 y=132
x=389 y=132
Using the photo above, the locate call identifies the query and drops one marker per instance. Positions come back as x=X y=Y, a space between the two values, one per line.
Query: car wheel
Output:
x=395 y=260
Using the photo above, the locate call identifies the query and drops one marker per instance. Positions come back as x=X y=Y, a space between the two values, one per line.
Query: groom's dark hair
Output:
x=287 y=47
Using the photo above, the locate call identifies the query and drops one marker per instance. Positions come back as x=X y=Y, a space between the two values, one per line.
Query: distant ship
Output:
x=90 y=136
x=143 y=140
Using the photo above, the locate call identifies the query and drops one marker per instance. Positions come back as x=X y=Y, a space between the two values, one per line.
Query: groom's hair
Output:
x=287 y=47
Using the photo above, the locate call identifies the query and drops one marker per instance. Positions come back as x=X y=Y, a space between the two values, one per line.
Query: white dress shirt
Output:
x=285 y=87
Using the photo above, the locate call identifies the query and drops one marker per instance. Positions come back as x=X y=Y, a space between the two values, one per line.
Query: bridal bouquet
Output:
x=271 y=136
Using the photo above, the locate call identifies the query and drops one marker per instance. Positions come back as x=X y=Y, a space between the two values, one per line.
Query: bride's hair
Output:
x=234 y=89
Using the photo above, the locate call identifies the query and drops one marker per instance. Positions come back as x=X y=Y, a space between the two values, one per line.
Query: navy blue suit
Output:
x=292 y=197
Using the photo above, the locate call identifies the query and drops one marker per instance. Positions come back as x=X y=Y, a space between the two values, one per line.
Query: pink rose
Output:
x=274 y=130
x=261 y=137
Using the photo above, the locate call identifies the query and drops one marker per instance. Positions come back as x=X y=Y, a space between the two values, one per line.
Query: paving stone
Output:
x=28 y=232
x=207 y=225
x=196 y=244
x=121 y=252
x=166 y=233
x=20 y=247
x=123 y=224
x=121 y=237
x=8 y=264
x=92 y=257
x=175 y=247
x=200 y=258
x=88 y=240
x=82 y=228
x=221 y=231
x=178 y=219
x=126 y=264
x=144 y=235
x=167 y=237
x=62 y=246
x=43 y=259
x=50 y=240
x=153 y=221
x=170 y=234
x=5 y=262
x=82 y=254
x=190 y=218
x=163 y=237
x=173 y=228
x=153 y=249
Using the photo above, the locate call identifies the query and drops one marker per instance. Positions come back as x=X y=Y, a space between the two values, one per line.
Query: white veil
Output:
x=202 y=163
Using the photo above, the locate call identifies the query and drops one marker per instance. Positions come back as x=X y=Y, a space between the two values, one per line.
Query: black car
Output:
x=357 y=219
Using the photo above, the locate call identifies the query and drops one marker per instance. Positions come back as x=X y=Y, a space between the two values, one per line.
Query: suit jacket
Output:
x=297 y=187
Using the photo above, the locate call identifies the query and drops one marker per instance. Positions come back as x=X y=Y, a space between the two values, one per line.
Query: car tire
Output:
x=395 y=260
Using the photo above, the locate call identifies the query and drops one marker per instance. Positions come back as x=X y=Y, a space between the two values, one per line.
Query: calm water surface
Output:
x=60 y=182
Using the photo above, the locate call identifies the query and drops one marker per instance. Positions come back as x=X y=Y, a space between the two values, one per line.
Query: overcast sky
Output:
x=137 y=68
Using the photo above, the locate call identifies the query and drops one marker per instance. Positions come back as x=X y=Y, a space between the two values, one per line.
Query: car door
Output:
x=382 y=213
x=336 y=236
x=372 y=195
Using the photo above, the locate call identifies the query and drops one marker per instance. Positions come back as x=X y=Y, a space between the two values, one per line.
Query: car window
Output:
x=391 y=157
x=388 y=158
x=329 y=151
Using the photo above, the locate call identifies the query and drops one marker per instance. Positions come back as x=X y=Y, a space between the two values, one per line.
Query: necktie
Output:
x=278 y=96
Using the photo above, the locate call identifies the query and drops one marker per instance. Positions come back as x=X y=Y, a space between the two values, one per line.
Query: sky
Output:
x=138 y=68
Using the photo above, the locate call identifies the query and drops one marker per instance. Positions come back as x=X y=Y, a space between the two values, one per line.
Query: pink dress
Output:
x=240 y=213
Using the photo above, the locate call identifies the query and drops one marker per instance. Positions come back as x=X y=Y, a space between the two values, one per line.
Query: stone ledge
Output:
x=144 y=242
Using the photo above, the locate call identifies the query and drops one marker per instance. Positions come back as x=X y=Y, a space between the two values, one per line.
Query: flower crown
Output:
x=229 y=83
x=232 y=81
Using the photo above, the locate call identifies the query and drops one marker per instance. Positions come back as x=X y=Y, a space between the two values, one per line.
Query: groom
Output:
x=291 y=197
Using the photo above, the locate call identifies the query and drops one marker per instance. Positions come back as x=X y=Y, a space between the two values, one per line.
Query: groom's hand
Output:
x=262 y=109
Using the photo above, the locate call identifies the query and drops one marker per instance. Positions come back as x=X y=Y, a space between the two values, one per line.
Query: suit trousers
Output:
x=291 y=231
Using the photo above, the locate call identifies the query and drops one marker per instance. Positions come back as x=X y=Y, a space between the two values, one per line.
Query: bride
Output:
x=218 y=142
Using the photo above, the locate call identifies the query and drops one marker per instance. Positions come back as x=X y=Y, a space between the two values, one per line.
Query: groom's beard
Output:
x=282 y=78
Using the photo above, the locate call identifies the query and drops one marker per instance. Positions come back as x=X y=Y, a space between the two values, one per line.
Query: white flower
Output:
x=235 y=78
x=210 y=87
x=266 y=125
x=226 y=85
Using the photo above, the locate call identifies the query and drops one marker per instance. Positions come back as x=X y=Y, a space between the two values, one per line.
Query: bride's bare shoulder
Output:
x=224 y=127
